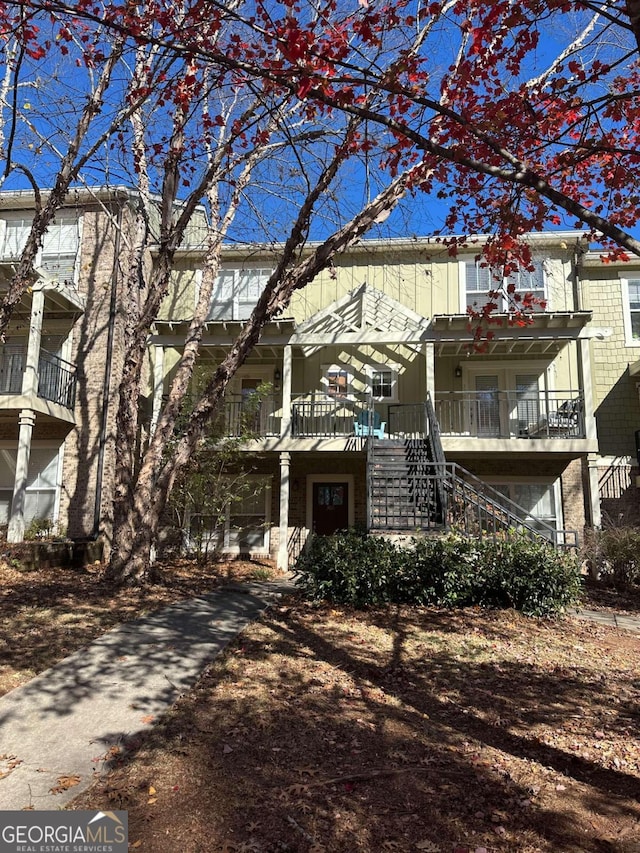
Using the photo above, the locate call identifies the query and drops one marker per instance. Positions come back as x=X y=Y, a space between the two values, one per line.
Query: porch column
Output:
x=26 y=420
x=287 y=360
x=430 y=369
x=592 y=481
x=30 y=376
x=283 y=551
x=158 y=386
x=584 y=369
x=593 y=488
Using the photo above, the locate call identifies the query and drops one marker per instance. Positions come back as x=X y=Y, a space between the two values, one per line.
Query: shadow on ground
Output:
x=395 y=730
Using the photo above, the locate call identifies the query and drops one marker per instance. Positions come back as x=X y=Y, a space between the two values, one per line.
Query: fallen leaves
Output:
x=321 y=741
x=64 y=783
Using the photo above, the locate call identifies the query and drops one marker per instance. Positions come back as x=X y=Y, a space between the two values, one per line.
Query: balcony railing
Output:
x=511 y=414
x=56 y=380
x=244 y=416
x=56 y=377
x=326 y=417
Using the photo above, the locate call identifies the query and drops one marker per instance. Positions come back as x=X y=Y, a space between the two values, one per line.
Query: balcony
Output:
x=511 y=414
x=56 y=377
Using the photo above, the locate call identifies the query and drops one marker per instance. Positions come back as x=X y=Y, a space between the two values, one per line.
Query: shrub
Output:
x=529 y=576
x=614 y=556
x=351 y=568
x=442 y=571
x=449 y=571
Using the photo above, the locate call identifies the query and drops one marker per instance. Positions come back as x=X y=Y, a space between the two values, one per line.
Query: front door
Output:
x=330 y=507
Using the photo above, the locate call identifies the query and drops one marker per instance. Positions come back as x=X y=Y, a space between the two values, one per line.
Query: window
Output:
x=539 y=500
x=337 y=382
x=631 y=309
x=57 y=258
x=245 y=527
x=236 y=293
x=384 y=382
x=477 y=281
x=42 y=480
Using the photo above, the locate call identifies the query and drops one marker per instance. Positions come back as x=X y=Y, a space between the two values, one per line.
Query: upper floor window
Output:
x=384 y=382
x=631 y=309
x=57 y=258
x=478 y=281
x=337 y=382
x=236 y=293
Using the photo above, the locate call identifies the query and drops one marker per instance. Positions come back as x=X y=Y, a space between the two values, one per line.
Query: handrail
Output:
x=504 y=512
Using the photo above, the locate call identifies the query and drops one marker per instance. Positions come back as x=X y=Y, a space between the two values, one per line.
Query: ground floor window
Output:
x=42 y=483
x=243 y=524
x=541 y=501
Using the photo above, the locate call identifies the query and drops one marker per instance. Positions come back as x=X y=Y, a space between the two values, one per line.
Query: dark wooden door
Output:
x=330 y=507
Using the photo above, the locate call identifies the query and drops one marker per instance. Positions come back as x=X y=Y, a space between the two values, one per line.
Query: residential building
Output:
x=376 y=391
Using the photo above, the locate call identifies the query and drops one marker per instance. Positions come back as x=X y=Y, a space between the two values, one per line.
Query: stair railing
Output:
x=479 y=509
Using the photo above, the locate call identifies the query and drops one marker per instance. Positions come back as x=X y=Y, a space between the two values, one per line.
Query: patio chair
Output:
x=369 y=423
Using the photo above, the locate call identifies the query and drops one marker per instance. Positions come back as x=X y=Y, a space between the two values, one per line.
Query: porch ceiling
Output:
x=549 y=333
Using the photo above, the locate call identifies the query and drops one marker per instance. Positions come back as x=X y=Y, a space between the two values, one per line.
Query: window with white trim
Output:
x=42 y=483
x=236 y=293
x=336 y=382
x=538 y=500
x=60 y=244
x=479 y=280
x=631 y=310
x=384 y=383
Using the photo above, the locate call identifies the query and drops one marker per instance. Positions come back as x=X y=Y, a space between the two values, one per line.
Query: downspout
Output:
x=107 y=379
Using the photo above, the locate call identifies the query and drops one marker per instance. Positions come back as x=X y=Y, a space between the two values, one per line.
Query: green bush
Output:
x=351 y=568
x=449 y=571
x=441 y=571
x=613 y=555
x=529 y=576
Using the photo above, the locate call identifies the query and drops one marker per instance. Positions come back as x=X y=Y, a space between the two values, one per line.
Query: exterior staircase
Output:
x=412 y=488
x=403 y=486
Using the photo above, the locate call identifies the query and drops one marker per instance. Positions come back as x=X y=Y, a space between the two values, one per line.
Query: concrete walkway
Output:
x=608 y=619
x=63 y=722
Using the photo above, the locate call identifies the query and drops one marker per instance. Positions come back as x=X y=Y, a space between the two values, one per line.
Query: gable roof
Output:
x=363 y=316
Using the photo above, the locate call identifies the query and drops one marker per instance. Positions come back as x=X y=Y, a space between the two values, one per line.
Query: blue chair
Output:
x=369 y=423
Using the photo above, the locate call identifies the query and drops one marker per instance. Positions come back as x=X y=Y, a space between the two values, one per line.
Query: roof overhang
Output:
x=221 y=333
x=547 y=333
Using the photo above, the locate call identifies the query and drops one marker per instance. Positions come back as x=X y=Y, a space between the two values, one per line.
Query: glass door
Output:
x=486 y=409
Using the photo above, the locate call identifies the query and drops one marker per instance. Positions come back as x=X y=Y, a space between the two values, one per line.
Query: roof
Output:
x=364 y=315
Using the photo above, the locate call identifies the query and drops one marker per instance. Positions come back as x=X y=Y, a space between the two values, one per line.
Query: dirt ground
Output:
x=397 y=729
x=49 y=613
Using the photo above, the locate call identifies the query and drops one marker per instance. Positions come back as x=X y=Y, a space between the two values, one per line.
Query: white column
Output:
x=158 y=386
x=584 y=365
x=430 y=370
x=592 y=480
x=285 y=427
x=15 y=531
x=30 y=377
x=283 y=552
x=593 y=486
